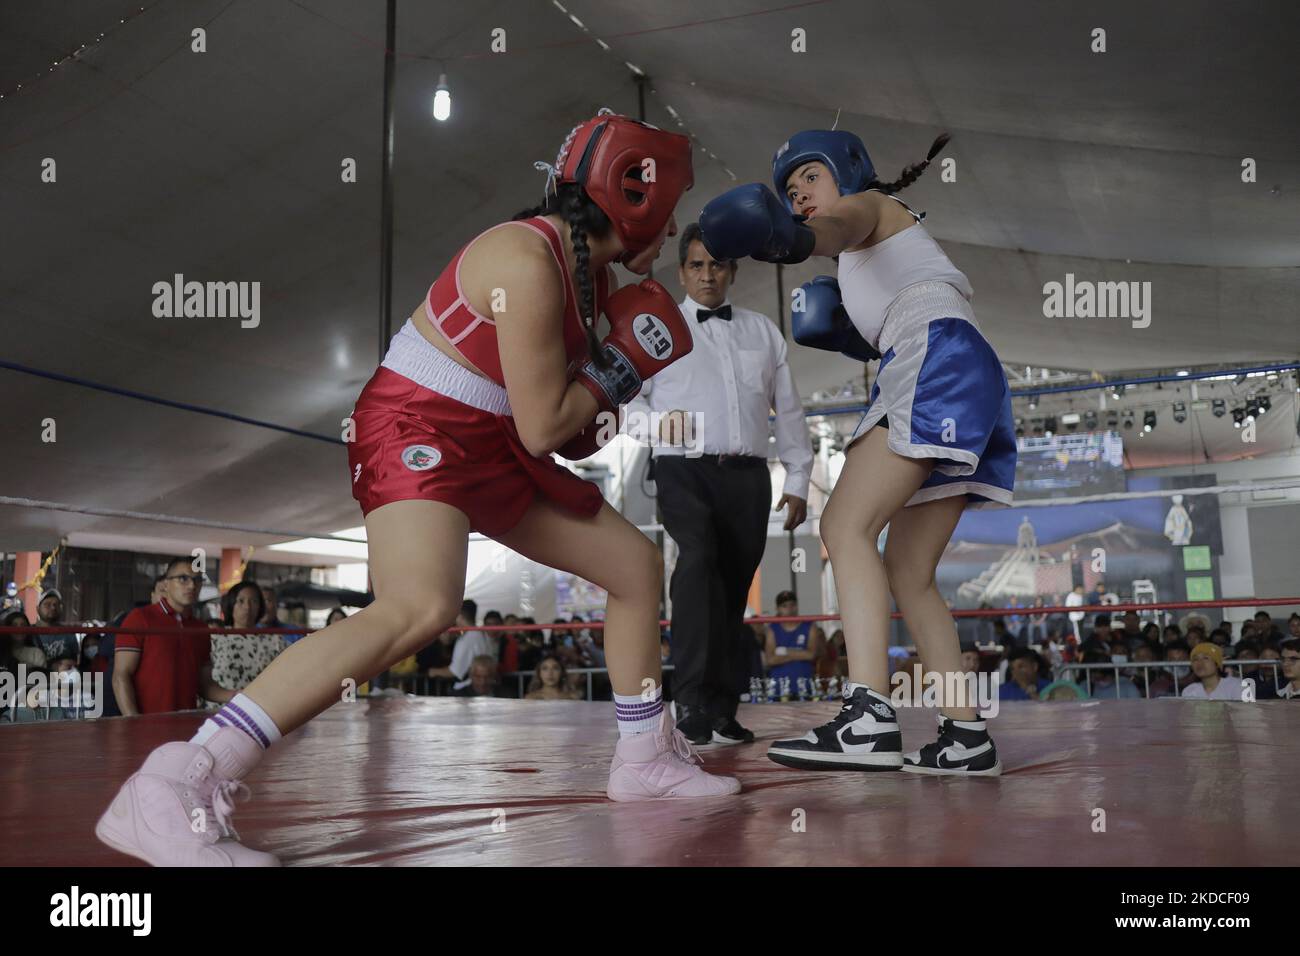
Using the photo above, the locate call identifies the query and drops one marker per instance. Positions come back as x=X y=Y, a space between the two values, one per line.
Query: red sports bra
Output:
x=474 y=335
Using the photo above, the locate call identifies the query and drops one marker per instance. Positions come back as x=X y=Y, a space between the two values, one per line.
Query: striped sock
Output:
x=638 y=715
x=245 y=715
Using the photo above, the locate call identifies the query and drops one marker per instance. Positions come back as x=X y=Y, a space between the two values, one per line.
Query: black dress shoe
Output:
x=727 y=730
x=694 y=725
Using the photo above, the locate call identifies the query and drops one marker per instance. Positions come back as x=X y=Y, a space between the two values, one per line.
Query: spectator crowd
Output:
x=175 y=664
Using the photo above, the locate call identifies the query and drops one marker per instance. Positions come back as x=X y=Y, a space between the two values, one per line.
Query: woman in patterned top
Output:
x=238 y=658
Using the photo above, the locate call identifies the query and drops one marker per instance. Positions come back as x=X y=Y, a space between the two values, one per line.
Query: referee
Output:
x=710 y=464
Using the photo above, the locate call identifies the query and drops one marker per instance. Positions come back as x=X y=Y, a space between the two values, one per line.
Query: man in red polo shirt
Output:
x=166 y=670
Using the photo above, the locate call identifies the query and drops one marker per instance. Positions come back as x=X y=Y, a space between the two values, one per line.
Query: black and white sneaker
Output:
x=862 y=736
x=964 y=748
x=727 y=730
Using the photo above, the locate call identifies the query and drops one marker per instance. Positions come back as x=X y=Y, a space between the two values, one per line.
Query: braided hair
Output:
x=911 y=173
x=583 y=217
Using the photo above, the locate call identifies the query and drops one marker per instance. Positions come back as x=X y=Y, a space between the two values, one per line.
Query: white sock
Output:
x=638 y=715
x=850 y=687
x=243 y=714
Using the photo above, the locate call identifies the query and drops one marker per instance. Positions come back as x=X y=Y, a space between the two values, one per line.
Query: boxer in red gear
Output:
x=498 y=367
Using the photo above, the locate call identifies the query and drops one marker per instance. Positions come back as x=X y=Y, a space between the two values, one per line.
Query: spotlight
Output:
x=1264 y=404
x=1252 y=408
x=1112 y=421
x=1049 y=426
x=1033 y=402
x=1219 y=407
x=1238 y=416
x=1180 y=412
x=1090 y=421
x=1115 y=392
x=1148 y=421
x=1128 y=418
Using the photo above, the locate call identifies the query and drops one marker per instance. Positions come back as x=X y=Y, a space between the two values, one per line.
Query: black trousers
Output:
x=717 y=513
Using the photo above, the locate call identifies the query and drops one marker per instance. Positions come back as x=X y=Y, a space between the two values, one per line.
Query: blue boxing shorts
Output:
x=942 y=394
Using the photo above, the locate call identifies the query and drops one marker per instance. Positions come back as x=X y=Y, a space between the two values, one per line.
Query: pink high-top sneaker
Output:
x=662 y=765
x=175 y=810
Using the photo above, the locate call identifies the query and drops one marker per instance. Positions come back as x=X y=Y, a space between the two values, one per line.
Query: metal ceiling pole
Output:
x=386 y=186
x=641 y=82
x=664 y=596
x=780 y=321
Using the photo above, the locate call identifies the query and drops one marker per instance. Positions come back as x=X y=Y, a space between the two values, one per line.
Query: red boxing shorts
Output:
x=457 y=444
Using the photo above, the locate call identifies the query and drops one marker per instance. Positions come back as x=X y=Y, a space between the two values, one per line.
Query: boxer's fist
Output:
x=751 y=221
x=647 y=334
x=823 y=323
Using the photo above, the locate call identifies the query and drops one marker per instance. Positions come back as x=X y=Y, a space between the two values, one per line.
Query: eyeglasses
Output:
x=187 y=578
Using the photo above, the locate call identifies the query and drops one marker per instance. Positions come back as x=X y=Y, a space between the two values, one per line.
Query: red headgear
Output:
x=608 y=156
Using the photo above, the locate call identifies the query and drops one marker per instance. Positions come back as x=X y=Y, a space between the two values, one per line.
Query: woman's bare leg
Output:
x=609 y=552
x=874 y=485
x=612 y=554
x=917 y=537
x=417 y=563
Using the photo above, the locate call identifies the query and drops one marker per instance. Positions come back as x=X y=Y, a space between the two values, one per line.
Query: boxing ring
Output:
x=443 y=781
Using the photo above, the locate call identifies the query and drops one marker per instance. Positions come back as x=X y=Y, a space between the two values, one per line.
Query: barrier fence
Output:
x=1060 y=668
x=1178 y=669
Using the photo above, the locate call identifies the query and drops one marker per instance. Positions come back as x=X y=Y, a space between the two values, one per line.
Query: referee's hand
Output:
x=798 y=512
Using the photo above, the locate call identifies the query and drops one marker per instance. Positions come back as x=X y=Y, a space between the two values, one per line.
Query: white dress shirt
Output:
x=734 y=378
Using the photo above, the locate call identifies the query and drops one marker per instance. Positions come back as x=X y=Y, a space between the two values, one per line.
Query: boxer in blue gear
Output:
x=937 y=436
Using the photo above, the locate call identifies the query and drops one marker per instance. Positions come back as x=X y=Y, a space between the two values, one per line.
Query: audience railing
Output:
x=1178 y=669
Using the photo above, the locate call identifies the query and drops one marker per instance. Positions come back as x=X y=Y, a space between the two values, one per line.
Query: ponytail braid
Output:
x=583 y=217
x=911 y=173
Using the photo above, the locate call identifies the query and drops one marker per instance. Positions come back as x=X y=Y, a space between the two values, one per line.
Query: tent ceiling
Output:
x=225 y=165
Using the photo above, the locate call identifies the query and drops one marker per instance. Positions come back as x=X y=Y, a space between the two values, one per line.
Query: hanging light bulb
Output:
x=442 y=100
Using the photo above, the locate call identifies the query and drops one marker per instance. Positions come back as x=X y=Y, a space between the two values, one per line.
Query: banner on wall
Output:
x=1153 y=549
x=1087 y=463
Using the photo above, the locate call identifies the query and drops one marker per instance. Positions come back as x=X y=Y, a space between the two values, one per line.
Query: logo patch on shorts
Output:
x=420 y=457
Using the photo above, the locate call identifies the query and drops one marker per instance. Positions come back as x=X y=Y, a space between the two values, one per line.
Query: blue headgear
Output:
x=842 y=152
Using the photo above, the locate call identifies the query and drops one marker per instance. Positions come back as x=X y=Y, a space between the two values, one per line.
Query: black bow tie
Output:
x=723 y=312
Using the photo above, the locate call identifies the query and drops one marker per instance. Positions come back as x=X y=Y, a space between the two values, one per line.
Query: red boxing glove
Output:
x=646 y=334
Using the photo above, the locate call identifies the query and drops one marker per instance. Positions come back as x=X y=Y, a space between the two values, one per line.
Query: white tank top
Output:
x=872 y=279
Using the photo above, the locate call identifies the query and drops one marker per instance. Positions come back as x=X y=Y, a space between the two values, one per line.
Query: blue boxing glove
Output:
x=750 y=221
x=823 y=323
